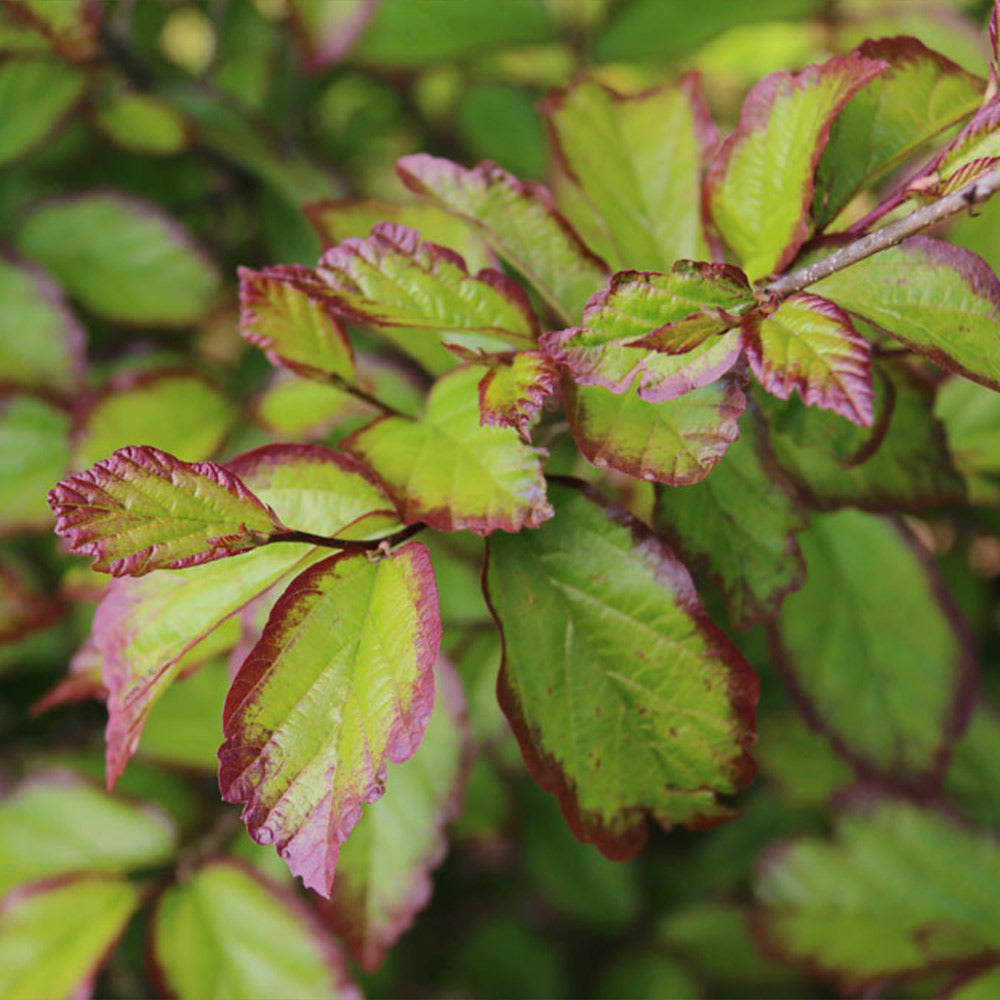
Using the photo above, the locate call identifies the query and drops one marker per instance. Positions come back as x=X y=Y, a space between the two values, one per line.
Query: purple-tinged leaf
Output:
x=511 y=394
x=325 y=31
x=23 y=608
x=973 y=152
x=809 y=344
x=626 y=701
x=383 y=872
x=340 y=682
x=83 y=681
x=519 y=221
x=451 y=472
x=995 y=48
x=142 y=509
x=295 y=327
x=392 y=279
x=677 y=442
x=69 y=26
x=760 y=186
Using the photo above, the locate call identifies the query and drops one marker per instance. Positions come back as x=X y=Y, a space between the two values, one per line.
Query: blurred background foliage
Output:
x=147 y=149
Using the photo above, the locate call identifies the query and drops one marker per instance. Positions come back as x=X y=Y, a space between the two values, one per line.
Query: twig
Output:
x=347 y=544
x=341 y=383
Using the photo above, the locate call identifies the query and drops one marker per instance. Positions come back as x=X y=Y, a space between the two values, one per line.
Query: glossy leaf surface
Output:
x=54 y=88
x=511 y=395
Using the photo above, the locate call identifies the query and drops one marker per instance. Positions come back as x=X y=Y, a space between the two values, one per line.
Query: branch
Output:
x=347 y=544
x=965 y=199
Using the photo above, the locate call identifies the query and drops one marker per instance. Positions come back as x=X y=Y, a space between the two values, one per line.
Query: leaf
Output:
x=970 y=414
x=978 y=985
x=973 y=152
x=940 y=300
x=872 y=649
x=511 y=395
x=972 y=781
x=296 y=328
x=917 y=97
x=810 y=345
x=738 y=527
x=340 y=681
x=383 y=872
x=122 y=258
x=227 y=932
x=638 y=162
x=326 y=32
x=55 y=936
x=519 y=221
x=142 y=123
x=55 y=90
x=42 y=345
x=56 y=824
x=877 y=901
x=142 y=509
x=391 y=279
x=449 y=471
x=23 y=608
x=760 y=184
x=70 y=26
x=624 y=698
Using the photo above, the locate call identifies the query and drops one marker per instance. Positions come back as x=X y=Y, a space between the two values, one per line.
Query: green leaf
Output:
x=42 y=345
x=973 y=152
x=647 y=976
x=510 y=395
x=625 y=699
x=449 y=471
x=56 y=823
x=37 y=95
x=226 y=932
x=638 y=162
x=940 y=300
x=519 y=221
x=122 y=258
x=899 y=890
x=738 y=527
x=340 y=682
x=921 y=94
x=70 y=26
x=677 y=442
x=760 y=185
x=142 y=123
x=970 y=414
x=54 y=936
x=972 y=779
x=383 y=872
x=872 y=648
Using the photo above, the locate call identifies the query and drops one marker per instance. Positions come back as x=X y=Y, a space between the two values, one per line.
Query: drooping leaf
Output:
x=383 y=872
x=54 y=936
x=326 y=32
x=56 y=824
x=295 y=327
x=919 y=95
x=122 y=257
x=625 y=699
x=677 y=442
x=142 y=509
x=760 y=186
x=451 y=472
x=900 y=890
x=227 y=932
x=391 y=279
x=872 y=648
x=340 y=682
x=970 y=414
x=70 y=26
x=637 y=161
x=738 y=526
x=940 y=300
x=511 y=395
x=23 y=608
x=142 y=123
x=519 y=221
x=809 y=345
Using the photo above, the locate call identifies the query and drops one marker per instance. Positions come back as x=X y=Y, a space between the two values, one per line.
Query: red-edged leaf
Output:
x=326 y=31
x=995 y=47
x=142 y=509
x=810 y=345
x=973 y=152
x=760 y=185
x=295 y=327
x=82 y=682
x=511 y=395
x=340 y=682
x=23 y=608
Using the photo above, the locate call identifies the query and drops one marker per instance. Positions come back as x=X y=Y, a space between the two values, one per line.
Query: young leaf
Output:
x=340 y=682
x=54 y=936
x=940 y=300
x=292 y=325
x=519 y=221
x=142 y=509
x=677 y=442
x=325 y=32
x=625 y=699
x=809 y=344
x=637 y=161
x=23 y=608
x=880 y=901
x=872 y=648
x=451 y=472
x=760 y=184
x=973 y=152
x=227 y=932
x=511 y=395
x=738 y=526
x=383 y=872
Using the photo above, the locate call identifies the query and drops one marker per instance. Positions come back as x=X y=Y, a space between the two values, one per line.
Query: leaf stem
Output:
x=347 y=544
x=339 y=382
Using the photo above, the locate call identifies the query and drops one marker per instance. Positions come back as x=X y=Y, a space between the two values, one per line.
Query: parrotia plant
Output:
x=693 y=404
